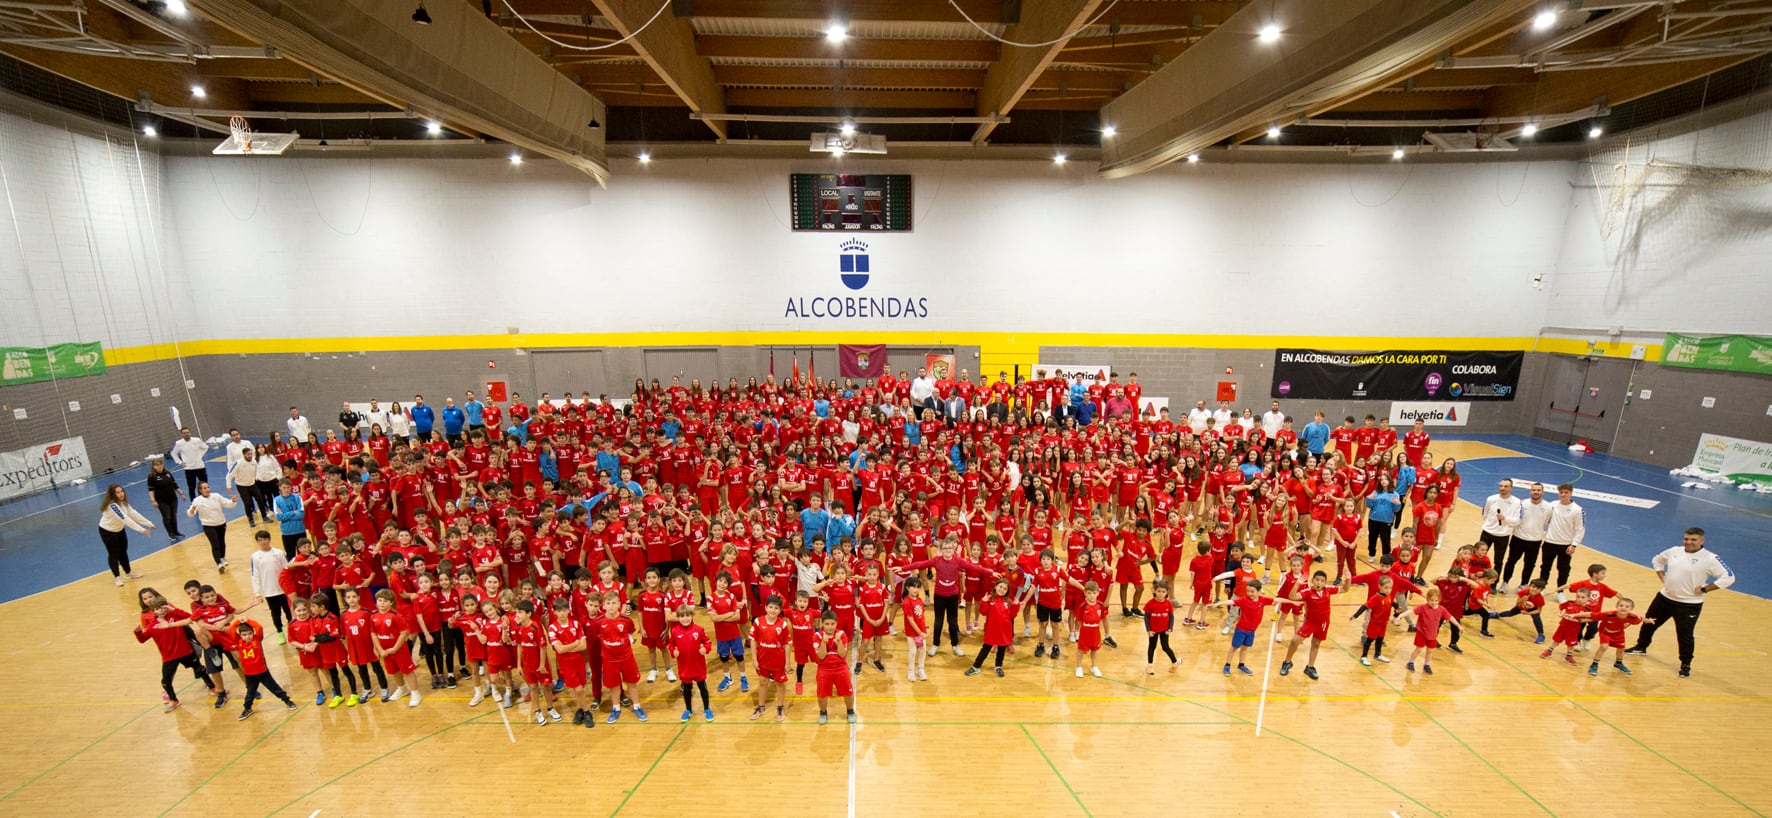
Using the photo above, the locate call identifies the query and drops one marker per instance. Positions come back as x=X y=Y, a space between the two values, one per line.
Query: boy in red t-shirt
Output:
x=388 y=629
x=620 y=672
x=726 y=608
x=1089 y=617
x=1529 y=602
x=529 y=640
x=1575 y=614
x=248 y=644
x=804 y=621
x=1159 y=616
x=1249 y=605
x=689 y=645
x=1200 y=567
x=164 y=625
x=771 y=633
x=916 y=629
x=566 y=636
x=833 y=669
x=1612 y=625
x=1586 y=589
x=1315 y=600
x=1428 y=617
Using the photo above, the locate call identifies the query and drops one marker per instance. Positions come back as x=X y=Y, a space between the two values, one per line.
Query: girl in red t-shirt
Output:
x=999 y=624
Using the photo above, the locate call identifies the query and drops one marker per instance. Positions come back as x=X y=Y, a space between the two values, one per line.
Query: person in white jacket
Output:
x=211 y=510
x=267 y=581
x=114 y=516
x=244 y=475
x=1688 y=573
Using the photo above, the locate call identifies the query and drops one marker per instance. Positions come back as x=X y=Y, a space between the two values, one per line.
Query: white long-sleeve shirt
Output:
x=210 y=510
x=1534 y=519
x=269 y=470
x=1684 y=574
x=189 y=454
x=299 y=429
x=244 y=472
x=1271 y=422
x=267 y=570
x=117 y=516
x=1501 y=515
x=1196 y=418
x=1568 y=524
x=235 y=448
x=922 y=389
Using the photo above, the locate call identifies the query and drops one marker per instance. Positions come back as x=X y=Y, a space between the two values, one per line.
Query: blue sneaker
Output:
x=559 y=685
x=1539 y=640
x=744 y=684
x=1227 y=670
x=708 y=715
x=724 y=683
x=1593 y=669
x=1619 y=666
x=319 y=698
x=1246 y=670
x=685 y=717
x=613 y=716
x=639 y=713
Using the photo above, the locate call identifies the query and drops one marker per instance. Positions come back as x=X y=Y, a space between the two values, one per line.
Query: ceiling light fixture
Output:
x=594 y=124
x=644 y=157
x=1273 y=132
x=516 y=158
x=1270 y=33
x=1193 y=158
x=198 y=92
x=1109 y=130
x=148 y=130
x=433 y=128
x=848 y=128
x=1058 y=158
x=1594 y=132
x=1544 y=20
x=1528 y=129
x=176 y=8
x=420 y=16
x=837 y=150
x=1397 y=154
x=836 y=32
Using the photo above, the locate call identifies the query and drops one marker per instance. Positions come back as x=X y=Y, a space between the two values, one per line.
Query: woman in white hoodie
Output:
x=211 y=510
x=115 y=516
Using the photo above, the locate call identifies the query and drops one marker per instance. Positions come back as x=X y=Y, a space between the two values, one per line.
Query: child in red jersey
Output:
x=1159 y=617
x=1585 y=589
x=1248 y=607
x=804 y=621
x=1530 y=601
x=916 y=628
x=620 y=672
x=999 y=623
x=1379 y=614
x=1200 y=568
x=771 y=634
x=653 y=626
x=871 y=600
x=329 y=634
x=1428 y=617
x=1135 y=553
x=567 y=637
x=490 y=633
x=248 y=643
x=1089 y=618
x=689 y=645
x=164 y=625
x=301 y=637
x=392 y=634
x=1240 y=573
x=1575 y=612
x=1048 y=587
x=726 y=609
x=1611 y=626
x=530 y=642
x=1315 y=600
x=833 y=669
x=1294 y=578
x=360 y=646
x=427 y=627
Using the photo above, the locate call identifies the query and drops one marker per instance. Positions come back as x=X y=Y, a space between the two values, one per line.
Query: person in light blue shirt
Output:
x=814 y=520
x=1405 y=479
x=547 y=460
x=476 y=412
x=1383 y=505
x=453 y=420
x=821 y=407
x=423 y=417
x=957 y=456
x=671 y=427
x=913 y=433
x=608 y=462
x=1316 y=435
x=842 y=525
x=287 y=508
x=1079 y=393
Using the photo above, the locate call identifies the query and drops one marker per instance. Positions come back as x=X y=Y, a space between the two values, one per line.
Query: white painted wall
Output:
x=1682 y=256
x=345 y=247
x=79 y=253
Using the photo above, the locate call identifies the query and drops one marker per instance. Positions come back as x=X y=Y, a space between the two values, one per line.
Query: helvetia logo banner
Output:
x=855 y=271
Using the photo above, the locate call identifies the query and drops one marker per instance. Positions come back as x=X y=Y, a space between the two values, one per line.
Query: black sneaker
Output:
x=220 y=699
x=1040 y=651
x=879 y=665
x=1054 y=651
x=1685 y=671
x=1310 y=672
x=290 y=704
x=972 y=671
x=451 y=681
x=1285 y=668
x=1455 y=649
x=1636 y=652
x=245 y=714
x=1486 y=634
x=1109 y=641
x=999 y=673
x=578 y=717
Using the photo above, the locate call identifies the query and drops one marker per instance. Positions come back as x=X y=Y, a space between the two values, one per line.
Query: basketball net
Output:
x=242 y=133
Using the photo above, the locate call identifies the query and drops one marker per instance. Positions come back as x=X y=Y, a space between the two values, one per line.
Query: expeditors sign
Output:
x=34 y=468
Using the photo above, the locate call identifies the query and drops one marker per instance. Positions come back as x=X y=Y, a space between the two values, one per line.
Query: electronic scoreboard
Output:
x=851 y=202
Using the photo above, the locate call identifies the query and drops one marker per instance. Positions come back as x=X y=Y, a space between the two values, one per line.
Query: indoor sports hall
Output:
x=885 y=407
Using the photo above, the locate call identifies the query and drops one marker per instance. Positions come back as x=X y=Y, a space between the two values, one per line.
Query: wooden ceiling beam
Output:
x=602 y=76
x=167 y=83
x=667 y=43
x=849 y=100
x=1074 y=47
x=909 y=11
x=1564 y=91
x=855 y=48
x=1471 y=78
x=1115 y=81
x=254 y=69
x=1412 y=101
x=1010 y=77
x=267 y=94
x=850 y=77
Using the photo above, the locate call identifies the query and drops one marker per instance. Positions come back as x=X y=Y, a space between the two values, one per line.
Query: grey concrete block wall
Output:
x=115 y=433
x=1664 y=429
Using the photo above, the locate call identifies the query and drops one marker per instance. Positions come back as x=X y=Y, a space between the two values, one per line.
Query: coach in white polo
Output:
x=1272 y=420
x=1687 y=572
x=1196 y=417
x=1501 y=515
x=1567 y=527
x=1535 y=515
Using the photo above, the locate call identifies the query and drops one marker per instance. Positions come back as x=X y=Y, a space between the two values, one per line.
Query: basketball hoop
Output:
x=244 y=141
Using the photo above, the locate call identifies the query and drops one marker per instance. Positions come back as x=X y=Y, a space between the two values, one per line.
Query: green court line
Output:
x=289 y=717
x=648 y=773
x=1270 y=731
x=1054 y=768
x=347 y=773
x=95 y=742
x=1443 y=728
x=869 y=722
x=1616 y=729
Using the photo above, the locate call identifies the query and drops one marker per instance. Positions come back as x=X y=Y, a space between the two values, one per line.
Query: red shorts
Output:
x=1202 y=594
x=1423 y=639
x=572 y=669
x=1289 y=608
x=1129 y=572
x=1611 y=640
x=1089 y=640
x=870 y=631
x=1313 y=630
x=804 y=655
x=650 y=640
x=835 y=683
x=310 y=661
x=621 y=671
x=778 y=675
x=537 y=676
x=399 y=661
x=1172 y=560
x=499 y=661
x=1568 y=632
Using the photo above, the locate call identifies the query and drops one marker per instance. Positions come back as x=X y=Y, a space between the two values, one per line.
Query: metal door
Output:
x=687 y=364
x=575 y=371
x=1582 y=398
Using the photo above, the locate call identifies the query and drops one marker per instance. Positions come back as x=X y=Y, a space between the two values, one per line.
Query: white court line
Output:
x=501 y=714
x=11 y=520
x=853 y=727
x=1681 y=495
x=1261 y=710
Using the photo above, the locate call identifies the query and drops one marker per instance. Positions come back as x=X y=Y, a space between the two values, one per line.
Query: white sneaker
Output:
x=1074 y=636
x=226 y=564
x=132 y=575
x=1096 y=671
x=652 y=675
x=1225 y=630
x=540 y=717
x=670 y=674
x=932 y=648
x=1279 y=637
x=553 y=715
x=398 y=692
x=1384 y=659
x=1079 y=671
x=413 y=702
x=510 y=696
x=1027 y=630
x=478 y=697
x=958 y=651
x=119 y=582
x=910 y=676
x=922 y=675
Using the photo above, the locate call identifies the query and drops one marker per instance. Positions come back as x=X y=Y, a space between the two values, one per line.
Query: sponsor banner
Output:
x=861 y=360
x=940 y=367
x=1150 y=408
x=1405 y=413
x=1091 y=372
x=1733 y=353
x=1550 y=494
x=58 y=362
x=38 y=467
x=1396 y=375
x=1743 y=461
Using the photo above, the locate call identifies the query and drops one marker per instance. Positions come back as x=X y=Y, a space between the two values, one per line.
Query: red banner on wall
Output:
x=861 y=360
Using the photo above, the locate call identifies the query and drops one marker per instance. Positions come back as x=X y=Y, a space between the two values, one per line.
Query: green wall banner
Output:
x=60 y=361
x=1735 y=353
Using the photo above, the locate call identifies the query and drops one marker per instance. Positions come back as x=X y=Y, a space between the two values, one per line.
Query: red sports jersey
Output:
x=726 y=603
x=771 y=641
x=688 y=644
x=1159 y=614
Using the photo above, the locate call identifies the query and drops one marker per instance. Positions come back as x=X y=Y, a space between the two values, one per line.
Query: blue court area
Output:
x=1737 y=524
x=51 y=538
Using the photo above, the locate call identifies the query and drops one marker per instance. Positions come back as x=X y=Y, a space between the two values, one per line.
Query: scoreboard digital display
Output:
x=842 y=202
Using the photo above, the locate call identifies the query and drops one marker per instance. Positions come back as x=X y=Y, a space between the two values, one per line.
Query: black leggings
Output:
x=363 y=673
x=1376 y=646
x=689 y=701
x=289 y=541
x=455 y=649
x=986 y=651
x=1559 y=554
x=169 y=668
x=1521 y=551
x=433 y=653
x=947 y=608
x=256 y=680
x=1378 y=534
x=116 y=551
x=169 y=514
x=1537 y=620
x=218 y=541
x=1150 y=648
x=250 y=499
x=279 y=606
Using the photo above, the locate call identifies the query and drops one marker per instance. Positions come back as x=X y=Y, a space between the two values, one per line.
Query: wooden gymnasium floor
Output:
x=1497 y=731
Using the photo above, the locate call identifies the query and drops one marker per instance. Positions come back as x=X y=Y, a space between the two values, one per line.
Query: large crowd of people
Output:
x=532 y=551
